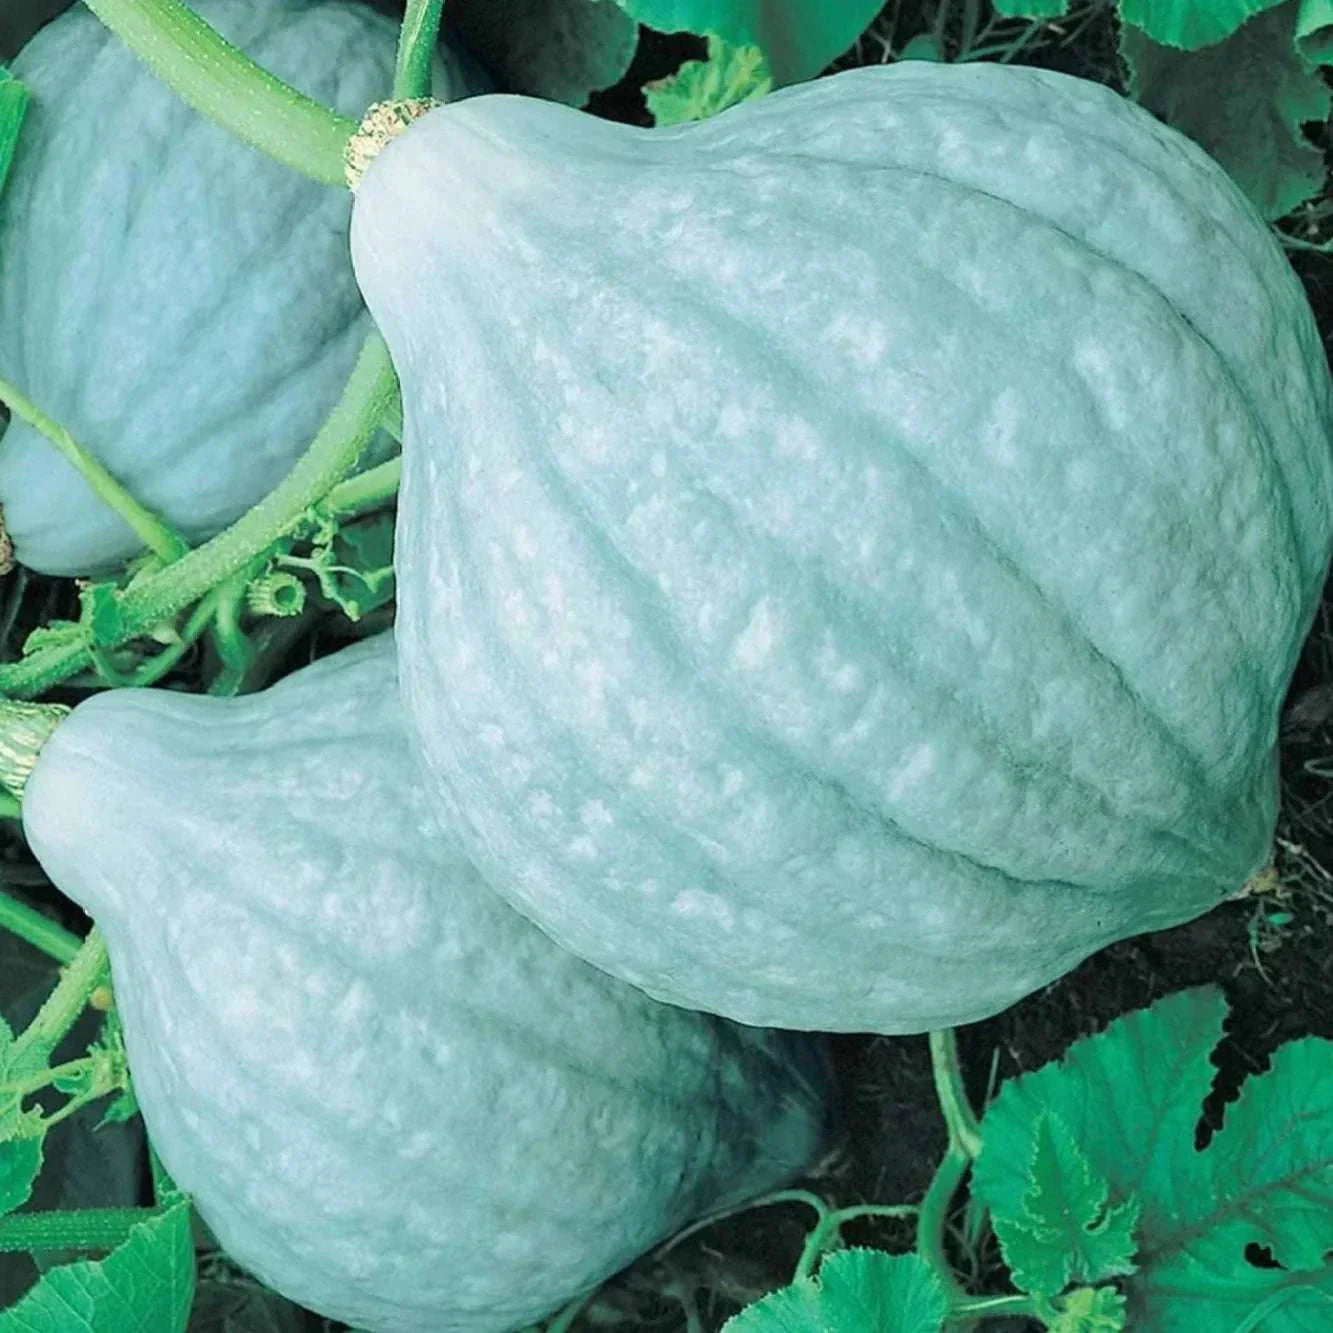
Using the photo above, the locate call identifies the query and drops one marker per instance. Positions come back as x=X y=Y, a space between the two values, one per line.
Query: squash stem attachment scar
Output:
x=24 y=730
x=381 y=124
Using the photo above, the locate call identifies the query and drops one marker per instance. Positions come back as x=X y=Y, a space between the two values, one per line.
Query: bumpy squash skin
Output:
x=180 y=303
x=852 y=551
x=391 y=1097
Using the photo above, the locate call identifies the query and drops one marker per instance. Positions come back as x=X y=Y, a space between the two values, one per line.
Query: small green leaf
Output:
x=1190 y=25
x=54 y=634
x=1065 y=1232
x=855 y=1289
x=146 y=1283
x=1031 y=9
x=20 y=1161
x=1314 y=31
x=15 y=1066
x=1245 y=101
x=101 y=611
x=1089 y=1310
x=702 y=88
x=561 y=50
x=799 y=38
x=13 y=108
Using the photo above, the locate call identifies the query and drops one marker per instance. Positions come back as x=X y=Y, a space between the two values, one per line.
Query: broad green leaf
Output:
x=1089 y=1310
x=702 y=88
x=1066 y=1232
x=13 y=108
x=855 y=1289
x=1121 y=1095
x=146 y=1283
x=562 y=50
x=1031 y=9
x=20 y=1161
x=1245 y=101
x=1131 y=1098
x=799 y=37
x=1190 y=25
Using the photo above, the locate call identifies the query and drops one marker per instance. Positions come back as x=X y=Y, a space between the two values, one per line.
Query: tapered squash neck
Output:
x=24 y=730
x=383 y=123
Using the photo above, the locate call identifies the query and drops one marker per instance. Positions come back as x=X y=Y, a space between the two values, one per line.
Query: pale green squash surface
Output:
x=852 y=552
x=178 y=302
x=391 y=1097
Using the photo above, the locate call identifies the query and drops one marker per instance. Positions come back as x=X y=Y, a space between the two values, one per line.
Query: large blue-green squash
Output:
x=852 y=551
x=390 y=1096
x=181 y=304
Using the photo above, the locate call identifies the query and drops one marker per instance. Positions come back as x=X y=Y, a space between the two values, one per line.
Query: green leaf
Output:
x=1031 y=9
x=1089 y=1310
x=101 y=612
x=1245 y=101
x=361 y=566
x=799 y=37
x=1131 y=1098
x=561 y=50
x=13 y=108
x=1190 y=25
x=146 y=1283
x=20 y=1161
x=702 y=88
x=1314 y=31
x=15 y=1065
x=1065 y=1231
x=855 y=1289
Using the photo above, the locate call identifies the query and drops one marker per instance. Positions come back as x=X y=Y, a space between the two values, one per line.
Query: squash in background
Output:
x=181 y=304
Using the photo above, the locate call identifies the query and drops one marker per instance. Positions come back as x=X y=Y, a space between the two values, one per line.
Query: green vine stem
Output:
x=158 y=536
x=85 y=972
x=827 y=1230
x=964 y=1130
x=366 y=491
x=72 y=1229
x=39 y=931
x=228 y=87
x=964 y=1145
x=416 y=48
x=163 y=595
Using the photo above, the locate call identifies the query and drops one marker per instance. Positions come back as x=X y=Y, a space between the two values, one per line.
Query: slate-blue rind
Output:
x=390 y=1096
x=851 y=552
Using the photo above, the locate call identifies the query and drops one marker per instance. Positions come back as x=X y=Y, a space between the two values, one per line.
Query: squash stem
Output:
x=416 y=48
x=39 y=931
x=24 y=730
x=156 y=534
x=228 y=87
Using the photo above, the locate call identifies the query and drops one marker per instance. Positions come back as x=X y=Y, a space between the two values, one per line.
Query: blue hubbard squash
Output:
x=182 y=305
x=851 y=551
x=391 y=1097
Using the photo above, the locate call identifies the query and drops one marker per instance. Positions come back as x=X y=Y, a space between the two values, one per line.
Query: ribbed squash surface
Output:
x=852 y=551
x=391 y=1097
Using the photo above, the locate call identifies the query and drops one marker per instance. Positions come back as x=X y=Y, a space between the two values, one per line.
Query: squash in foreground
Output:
x=852 y=551
x=391 y=1097
x=182 y=305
